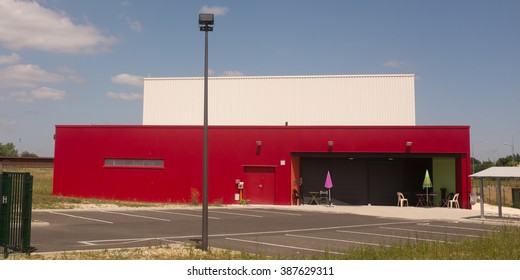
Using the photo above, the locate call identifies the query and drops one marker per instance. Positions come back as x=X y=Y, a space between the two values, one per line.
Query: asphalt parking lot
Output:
x=251 y=229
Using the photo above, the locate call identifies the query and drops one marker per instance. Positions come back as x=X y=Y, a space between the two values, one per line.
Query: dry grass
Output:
x=174 y=251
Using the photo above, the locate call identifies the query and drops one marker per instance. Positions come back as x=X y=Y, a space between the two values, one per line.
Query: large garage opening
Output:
x=365 y=179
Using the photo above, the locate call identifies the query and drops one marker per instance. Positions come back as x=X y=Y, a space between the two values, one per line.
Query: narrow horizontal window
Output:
x=155 y=163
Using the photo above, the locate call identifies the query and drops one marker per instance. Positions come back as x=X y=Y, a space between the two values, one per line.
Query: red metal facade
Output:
x=80 y=153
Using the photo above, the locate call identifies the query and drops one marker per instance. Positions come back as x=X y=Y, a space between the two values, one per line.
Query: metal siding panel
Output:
x=171 y=102
x=304 y=100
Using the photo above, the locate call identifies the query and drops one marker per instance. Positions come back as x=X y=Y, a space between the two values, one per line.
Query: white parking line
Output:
x=462 y=228
x=289 y=230
x=114 y=241
x=137 y=216
x=337 y=240
x=391 y=236
x=183 y=214
x=237 y=214
x=122 y=241
x=432 y=232
x=80 y=217
x=171 y=238
x=284 y=246
x=274 y=212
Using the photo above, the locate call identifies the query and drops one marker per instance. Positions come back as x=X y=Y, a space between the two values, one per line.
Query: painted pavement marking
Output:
x=81 y=217
x=391 y=236
x=432 y=232
x=283 y=246
x=462 y=228
x=274 y=212
x=170 y=238
x=183 y=214
x=337 y=240
x=120 y=241
x=137 y=216
x=237 y=214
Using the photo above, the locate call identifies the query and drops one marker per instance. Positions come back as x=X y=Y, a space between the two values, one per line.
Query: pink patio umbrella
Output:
x=328 y=185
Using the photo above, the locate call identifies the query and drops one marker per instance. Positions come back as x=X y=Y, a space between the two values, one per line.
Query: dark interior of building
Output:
x=363 y=179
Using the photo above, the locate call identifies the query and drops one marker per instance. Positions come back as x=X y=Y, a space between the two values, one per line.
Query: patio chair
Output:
x=444 y=201
x=324 y=196
x=443 y=196
x=296 y=197
x=401 y=200
x=454 y=201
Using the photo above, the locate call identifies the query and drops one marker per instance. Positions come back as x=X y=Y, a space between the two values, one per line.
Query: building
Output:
x=274 y=134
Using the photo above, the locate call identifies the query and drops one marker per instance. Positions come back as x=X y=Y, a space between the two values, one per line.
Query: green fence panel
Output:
x=15 y=212
x=5 y=212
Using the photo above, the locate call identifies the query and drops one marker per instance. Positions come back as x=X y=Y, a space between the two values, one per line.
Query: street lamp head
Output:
x=206 y=19
x=206 y=22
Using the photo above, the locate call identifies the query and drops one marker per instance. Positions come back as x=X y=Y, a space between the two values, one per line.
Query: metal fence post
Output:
x=27 y=214
x=5 y=212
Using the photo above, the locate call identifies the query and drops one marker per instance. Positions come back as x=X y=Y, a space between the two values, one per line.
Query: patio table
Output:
x=425 y=199
x=313 y=198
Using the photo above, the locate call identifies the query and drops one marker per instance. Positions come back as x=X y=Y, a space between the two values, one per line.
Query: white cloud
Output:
x=134 y=25
x=70 y=74
x=76 y=79
x=394 y=64
x=9 y=59
x=232 y=73
x=65 y=70
x=216 y=10
x=20 y=96
x=124 y=96
x=398 y=64
x=7 y=122
x=27 y=75
x=45 y=93
x=27 y=25
x=128 y=80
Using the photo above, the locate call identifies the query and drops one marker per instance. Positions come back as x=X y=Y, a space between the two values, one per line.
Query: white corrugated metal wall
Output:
x=298 y=100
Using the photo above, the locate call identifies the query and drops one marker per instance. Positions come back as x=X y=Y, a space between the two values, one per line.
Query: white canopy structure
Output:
x=498 y=173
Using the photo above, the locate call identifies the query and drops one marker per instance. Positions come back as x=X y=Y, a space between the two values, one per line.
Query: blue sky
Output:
x=82 y=62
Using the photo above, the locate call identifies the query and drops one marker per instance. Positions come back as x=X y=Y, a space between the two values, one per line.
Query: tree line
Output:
x=511 y=160
x=9 y=150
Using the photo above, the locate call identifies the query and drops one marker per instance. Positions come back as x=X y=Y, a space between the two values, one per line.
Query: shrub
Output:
x=195 y=196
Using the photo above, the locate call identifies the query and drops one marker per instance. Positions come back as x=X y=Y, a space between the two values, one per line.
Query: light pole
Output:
x=206 y=22
x=473 y=156
x=512 y=145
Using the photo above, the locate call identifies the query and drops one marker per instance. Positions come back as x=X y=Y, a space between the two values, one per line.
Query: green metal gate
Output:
x=15 y=212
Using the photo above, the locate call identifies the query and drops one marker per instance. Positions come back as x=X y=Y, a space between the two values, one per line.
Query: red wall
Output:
x=80 y=152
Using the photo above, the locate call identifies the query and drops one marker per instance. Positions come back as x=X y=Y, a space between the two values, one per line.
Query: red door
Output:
x=259 y=184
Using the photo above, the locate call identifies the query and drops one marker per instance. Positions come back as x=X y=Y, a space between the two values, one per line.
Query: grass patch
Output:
x=44 y=199
x=164 y=252
x=502 y=245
